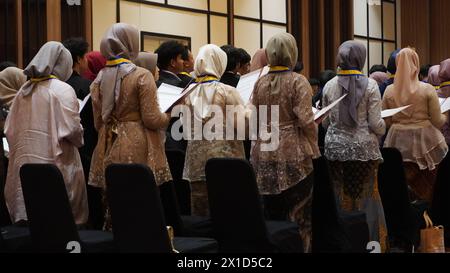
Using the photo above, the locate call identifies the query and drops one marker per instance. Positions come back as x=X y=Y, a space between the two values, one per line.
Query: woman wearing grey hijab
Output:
x=126 y=112
x=351 y=142
x=285 y=174
x=43 y=126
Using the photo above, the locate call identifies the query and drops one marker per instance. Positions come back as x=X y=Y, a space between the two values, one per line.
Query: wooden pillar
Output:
x=19 y=34
x=88 y=22
x=304 y=25
x=53 y=20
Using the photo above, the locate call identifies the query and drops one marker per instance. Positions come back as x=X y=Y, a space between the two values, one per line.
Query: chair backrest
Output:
x=50 y=217
x=235 y=206
x=329 y=235
x=176 y=159
x=136 y=210
x=440 y=206
x=399 y=214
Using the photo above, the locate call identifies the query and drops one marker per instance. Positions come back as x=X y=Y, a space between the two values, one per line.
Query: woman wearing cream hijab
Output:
x=43 y=126
x=126 y=112
x=210 y=65
x=11 y=79
x=415 y=132
x=285 y=176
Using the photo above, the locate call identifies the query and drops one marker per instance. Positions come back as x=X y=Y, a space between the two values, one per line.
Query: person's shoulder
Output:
x=427 y=87
x=61 y=89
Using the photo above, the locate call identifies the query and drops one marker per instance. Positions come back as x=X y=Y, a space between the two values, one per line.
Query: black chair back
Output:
x=235 y=206
x=50 y=217
x=440 y=207
x=136 y=210
x=176 y=158
x=401 y=219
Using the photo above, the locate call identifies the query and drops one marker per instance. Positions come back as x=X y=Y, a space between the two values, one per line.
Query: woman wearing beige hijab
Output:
x=351 y=142
x=11 y=79
x=210 y=65
x=415 y=132
x=126 y=111
x=444 y=92
x=284 y=175
x=43 y=126
x=148 y=61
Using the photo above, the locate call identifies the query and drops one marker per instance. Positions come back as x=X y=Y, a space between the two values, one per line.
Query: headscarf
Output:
x=444 y=77
x=351 y=56
x=281 y=50
x=392 y=65
x=433 y=76
x=147 y=60
x=96 y=62
x=210 y=61
x=11 y=80
x=120 y=41
x=406 y=82
x=53 y=59
x=259 y=60
x=379 y=77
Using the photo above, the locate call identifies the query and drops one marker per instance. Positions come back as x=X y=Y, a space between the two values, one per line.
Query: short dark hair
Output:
x=78 y=47
x=326 y=76
x=378 y=68
x=4 y=65
x=424 y=70
x=233 y=57
x=168 y=51
x=185 y=55
x=245 y=57
x=314 y=81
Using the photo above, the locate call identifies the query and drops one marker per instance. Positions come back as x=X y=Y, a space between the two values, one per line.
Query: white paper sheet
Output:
x=167 y=96
x=392 y=112
x=327 y=109
x=247 y=83
x=83 y=103
x=445 y=106
x=6 y=147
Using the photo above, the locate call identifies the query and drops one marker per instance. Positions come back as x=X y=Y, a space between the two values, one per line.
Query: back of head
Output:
x=433 y=75
x=78 y=48
x=392 y=65
x=259 y=60
x=210 y=61
x=120 y=41
x=326 y=76
x=233 y=57
x=406 y=81
x=352 y=55
x=245 y=58
x=282 y=50
x=424 y=70
x=52 y=59
x=147 y=60
x=378 y=68
x=168 y=51
x=12 y=78
x=444 y=71
x=96 y=62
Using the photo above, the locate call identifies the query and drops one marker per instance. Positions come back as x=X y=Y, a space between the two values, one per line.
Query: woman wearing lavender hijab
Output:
x=351 y=143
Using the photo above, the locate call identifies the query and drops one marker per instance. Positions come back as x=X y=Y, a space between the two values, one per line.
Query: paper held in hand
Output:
x=6 y=147
x=169 y=95
x=392 y=112
x=247 y=83
x=82 y=103
x=320 y=113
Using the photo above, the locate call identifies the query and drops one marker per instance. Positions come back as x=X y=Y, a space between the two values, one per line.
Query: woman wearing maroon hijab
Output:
x=96 y=62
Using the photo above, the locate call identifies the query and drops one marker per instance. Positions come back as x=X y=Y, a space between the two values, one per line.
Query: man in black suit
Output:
x=78 y=47
x=231 y=77
x=171 y=63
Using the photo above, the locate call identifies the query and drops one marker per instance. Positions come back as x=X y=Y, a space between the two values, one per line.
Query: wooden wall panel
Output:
x=439 y=31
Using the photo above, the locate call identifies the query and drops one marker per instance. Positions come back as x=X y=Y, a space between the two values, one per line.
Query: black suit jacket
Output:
x=81 y=87
x=230 y=79
x=172 y=144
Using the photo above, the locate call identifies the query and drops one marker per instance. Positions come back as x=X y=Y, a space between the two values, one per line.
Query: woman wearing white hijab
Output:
x=43 y=126
x=126 y=112
x=210 y=65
